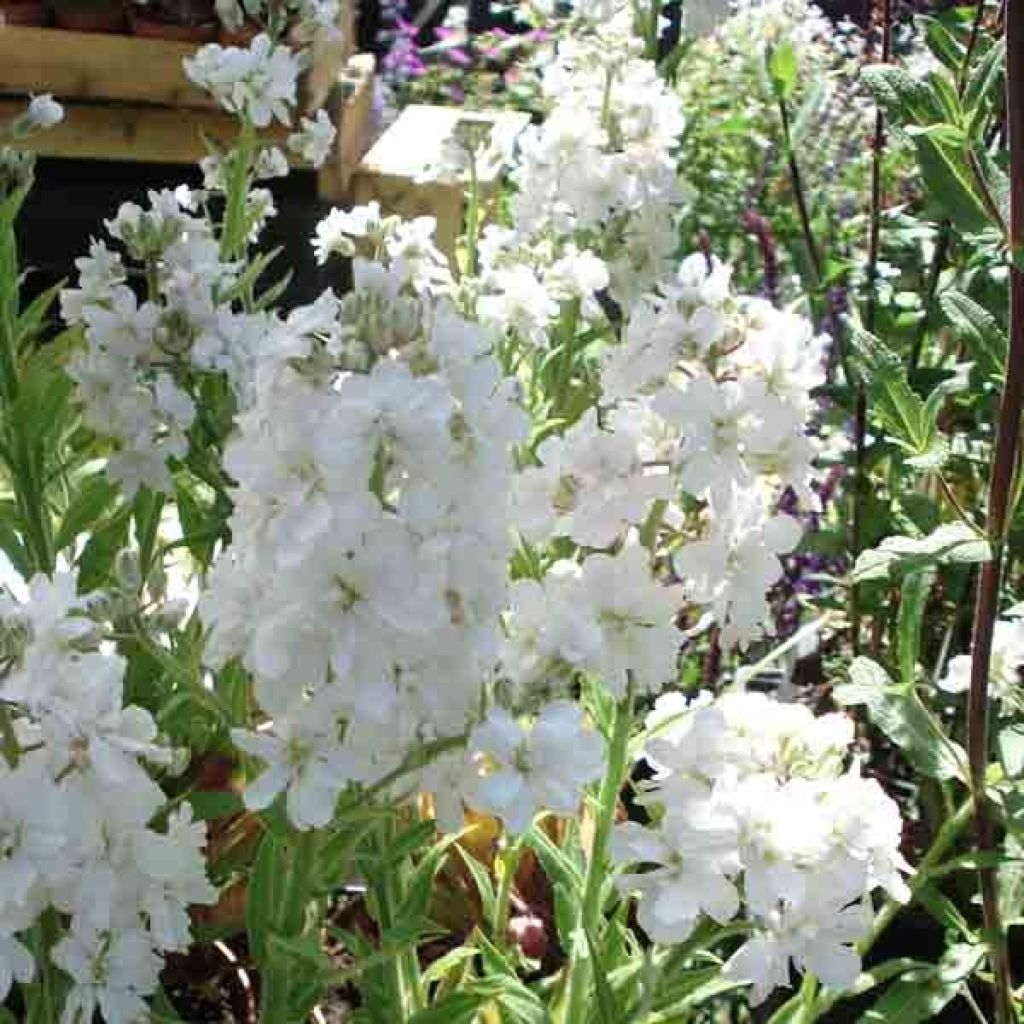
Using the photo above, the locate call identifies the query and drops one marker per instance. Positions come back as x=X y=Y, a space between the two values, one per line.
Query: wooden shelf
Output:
x=97 y=66
x=127 y=98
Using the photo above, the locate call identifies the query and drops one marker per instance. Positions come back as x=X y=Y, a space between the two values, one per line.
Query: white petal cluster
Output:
x=609 y=617
x=1007 y=660
x=314 y=140
x=78 y=810
x=140 y=373
x=543 y=767
x=368 y=571
x=754 y=808
x=258 y=83
x=597 y=195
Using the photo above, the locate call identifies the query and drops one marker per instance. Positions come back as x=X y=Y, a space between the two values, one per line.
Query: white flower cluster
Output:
x=597 y=190
x=753 y=806
x=712 y=397
x=1004 y=673
x=368 y=570
x=134 y=373
x=258 y=83
x=140 y=372
x=77 y=811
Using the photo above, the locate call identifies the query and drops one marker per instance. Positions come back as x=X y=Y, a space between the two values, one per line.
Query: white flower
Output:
x=302 y=756
x=16 y=963
x=43 y=112
x=110 y=971
x=258 y=83
x=313 y=143
x=590 y=486
x=695 y=853
x=544 y=767
x=731 y=570
x=1005 y=665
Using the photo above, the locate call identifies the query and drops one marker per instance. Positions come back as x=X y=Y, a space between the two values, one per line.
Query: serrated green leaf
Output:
x=899 y=713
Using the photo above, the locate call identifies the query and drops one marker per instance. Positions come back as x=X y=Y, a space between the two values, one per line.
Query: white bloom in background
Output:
x=258 y=83
x=731 y=570
x=541 y=767
x=43 y=112
x=315 y=139
x=1004 y=667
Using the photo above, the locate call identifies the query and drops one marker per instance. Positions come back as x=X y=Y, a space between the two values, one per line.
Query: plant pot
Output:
x=90 y=17
x=24 y=12
x=148 y=27
x=240 y=37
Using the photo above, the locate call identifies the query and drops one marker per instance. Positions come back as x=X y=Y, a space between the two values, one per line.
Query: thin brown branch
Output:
x=860 y=416
x=1004 y=463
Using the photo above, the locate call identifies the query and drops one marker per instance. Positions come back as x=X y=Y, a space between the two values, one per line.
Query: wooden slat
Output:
x=128 y=132
x=93 y=65
x=351 y=114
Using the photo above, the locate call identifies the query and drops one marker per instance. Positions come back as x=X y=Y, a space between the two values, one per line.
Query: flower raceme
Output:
x=755 y=808
x=76 y=810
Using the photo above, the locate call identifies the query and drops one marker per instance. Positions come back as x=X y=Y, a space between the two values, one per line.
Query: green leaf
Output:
x=783 y=70
x=913 y=601
x=949 y=180
x=921 y=995
x=97 y=557
x=904 y=98
x=978 y=327
x=265 y=890
x=985 y=84
x=92 y=500
x=898 y=712
x=899 y=410
x=1011 y=749
x=896 y=558
x=457 y=1008
x=482 y=881
x=210 y=804
x=1010 y=883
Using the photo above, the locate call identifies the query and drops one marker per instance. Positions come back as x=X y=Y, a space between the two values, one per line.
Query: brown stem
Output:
x=860 y=416
x=797 y=181
x=1004 y=463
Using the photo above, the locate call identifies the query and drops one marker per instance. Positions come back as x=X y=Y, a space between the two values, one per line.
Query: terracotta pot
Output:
x=90 y=17
x=156 y=28
x=240 y=37
x=24 y=12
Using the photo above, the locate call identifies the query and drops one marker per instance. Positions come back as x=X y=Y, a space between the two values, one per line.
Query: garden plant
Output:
x=618 y=623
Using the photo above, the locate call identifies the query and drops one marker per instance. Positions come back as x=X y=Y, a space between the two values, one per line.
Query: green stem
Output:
x=578 y=979
x=472 y=217
x=233 y=230
x=508 y=861
x=290 y=922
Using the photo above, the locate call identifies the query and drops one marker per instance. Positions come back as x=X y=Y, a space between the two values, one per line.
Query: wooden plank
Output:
x=351 y=114
x=94 y=65
x=128 y=132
